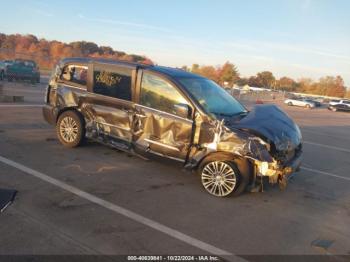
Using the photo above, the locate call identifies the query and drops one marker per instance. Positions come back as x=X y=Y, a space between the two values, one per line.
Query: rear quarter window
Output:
x=75 y=74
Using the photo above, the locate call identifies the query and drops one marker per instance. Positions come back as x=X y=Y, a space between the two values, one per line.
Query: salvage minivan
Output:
x=150 y=110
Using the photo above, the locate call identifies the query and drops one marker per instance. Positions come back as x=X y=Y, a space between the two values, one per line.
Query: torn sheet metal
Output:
x=215 y=136
x=161 y=132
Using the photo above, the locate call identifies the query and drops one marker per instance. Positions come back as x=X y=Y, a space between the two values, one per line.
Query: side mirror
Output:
x=182 y=110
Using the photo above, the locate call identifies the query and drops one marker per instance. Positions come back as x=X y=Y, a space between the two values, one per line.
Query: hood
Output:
x=271 y=123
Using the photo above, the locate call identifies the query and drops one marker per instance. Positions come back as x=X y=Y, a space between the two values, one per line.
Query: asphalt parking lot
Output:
x=101 y=201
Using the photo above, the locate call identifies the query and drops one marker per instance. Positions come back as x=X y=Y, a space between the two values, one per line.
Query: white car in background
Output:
x=303 y=102
x=334 y=102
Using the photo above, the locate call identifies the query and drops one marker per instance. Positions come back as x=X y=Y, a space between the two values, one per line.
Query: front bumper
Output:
x=280 y=173
x=49 y=114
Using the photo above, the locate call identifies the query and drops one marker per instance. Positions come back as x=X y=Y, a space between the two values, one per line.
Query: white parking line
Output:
x=122 y=211
x=327 y=146
x=324 y=173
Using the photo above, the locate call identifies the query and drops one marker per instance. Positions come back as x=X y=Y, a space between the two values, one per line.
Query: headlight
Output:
x=263 y=167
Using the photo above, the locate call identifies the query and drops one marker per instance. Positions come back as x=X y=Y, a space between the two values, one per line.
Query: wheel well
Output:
x=68 y=109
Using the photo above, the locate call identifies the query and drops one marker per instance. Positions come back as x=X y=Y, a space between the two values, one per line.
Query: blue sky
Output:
x=297 y=38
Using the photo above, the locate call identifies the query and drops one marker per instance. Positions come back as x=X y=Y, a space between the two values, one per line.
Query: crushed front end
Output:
x=281 y=168
x=279 y=138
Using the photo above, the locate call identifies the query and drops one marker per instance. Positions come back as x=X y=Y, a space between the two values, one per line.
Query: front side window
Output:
x=159 y=94
x=75 y=74
x=114 y=83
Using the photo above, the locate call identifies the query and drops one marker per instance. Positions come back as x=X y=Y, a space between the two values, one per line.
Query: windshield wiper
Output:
x=241 y=113
x=230 y=115
x=221 y=114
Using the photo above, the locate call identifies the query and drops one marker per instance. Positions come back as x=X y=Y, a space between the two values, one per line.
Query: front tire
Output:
x=222 y=178
x=70 y=129
x=290 y=103
x=308 y=106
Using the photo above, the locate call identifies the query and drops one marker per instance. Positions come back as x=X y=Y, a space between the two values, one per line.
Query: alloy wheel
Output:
x=68 y=129
x=219 y=178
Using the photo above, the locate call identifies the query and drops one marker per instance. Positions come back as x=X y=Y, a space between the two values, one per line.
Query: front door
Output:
x=158 y=129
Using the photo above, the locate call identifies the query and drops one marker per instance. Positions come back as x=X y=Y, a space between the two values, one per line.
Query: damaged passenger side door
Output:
x=109 y=109
x=163 y=118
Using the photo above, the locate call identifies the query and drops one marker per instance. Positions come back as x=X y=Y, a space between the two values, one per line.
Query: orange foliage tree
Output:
x=47 y=53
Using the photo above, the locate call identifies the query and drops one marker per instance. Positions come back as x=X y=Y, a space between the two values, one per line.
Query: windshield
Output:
x=212 y=97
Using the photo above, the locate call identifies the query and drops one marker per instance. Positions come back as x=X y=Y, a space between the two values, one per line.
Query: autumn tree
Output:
x=195 y=68
x=242 y=81
x=209 y=72
x=286 y=84
x=331 y=86
x=265 y=79
x=347 y=95
x=228 y=73
x=254 y=81
x=47 y=53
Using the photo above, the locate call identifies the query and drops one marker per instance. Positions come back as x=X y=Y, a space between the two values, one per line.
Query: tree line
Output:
x=228 y=75
x=47 y=53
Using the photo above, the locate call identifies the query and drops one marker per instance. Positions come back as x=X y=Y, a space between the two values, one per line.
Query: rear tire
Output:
x=334 y=109
x=307 y=106
x=290 y=103
x=70 y=129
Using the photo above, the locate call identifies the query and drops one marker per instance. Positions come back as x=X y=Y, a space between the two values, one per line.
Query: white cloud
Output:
x=124 y=23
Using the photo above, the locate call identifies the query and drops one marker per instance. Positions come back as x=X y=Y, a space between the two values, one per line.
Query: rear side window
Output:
x=114 y=82
x=75 y=74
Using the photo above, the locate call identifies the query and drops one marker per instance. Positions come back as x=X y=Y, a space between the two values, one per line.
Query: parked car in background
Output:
x=334 y=102
x=338 y=101
x=343 y=105
x=303 y=102
x=8 y=62
x=23 y=70
x=154 y=111
x=3 y=68
x=316 y=100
